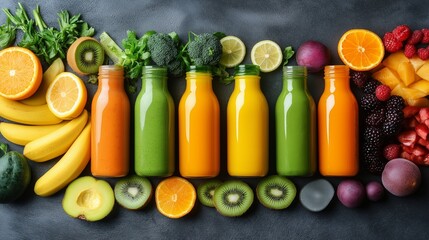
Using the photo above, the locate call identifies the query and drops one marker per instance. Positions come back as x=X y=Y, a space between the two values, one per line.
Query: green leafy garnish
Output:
x=3 y=149
x=7 y=35
x=287 y=54
x=47 y=42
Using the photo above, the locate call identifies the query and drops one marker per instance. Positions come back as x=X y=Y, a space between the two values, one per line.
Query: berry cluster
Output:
x=403 y=37
x=383 y=119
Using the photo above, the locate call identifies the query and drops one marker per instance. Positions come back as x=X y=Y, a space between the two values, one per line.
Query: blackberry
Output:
x=369 y=150
x=375 y=165
x=359 y=78
x=369 y=102
x=372 y=135
x=370 y=86
x=375 y=119
x=395 y=102
x=393 y=122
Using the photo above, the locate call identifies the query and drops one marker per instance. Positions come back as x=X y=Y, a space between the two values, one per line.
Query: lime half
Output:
x=267 y=54
x=233 y=51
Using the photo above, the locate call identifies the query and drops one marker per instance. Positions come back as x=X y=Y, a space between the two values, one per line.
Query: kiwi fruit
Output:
x=85 y=55
x=276 y=192
x=133 y=192
x=205 y=192
x=233 y=198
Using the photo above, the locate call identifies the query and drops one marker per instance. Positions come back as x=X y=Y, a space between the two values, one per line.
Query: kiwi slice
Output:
x=133 y=192
x=276 y=192
x=206 y=190
x=233 y=198
x=85 y=56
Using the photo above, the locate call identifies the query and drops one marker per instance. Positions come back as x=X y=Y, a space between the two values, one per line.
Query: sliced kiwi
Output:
x=133 y=192
x=206 y=190
x=276 y=192
x=86 y=56
x=233 y=198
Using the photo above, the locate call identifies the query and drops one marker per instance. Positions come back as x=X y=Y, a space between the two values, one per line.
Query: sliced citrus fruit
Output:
x=21 y=73
x=361 y=49
x=66 y=96
x=175 y=197
x=233 y=51
x=267 y=54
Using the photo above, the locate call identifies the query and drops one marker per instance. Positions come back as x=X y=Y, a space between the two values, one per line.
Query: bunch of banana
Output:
x=46 y=137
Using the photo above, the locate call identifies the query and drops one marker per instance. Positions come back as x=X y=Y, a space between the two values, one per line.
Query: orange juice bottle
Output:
x=110 y=130
x=247 y=125
x=199 y=125
x=338 y=125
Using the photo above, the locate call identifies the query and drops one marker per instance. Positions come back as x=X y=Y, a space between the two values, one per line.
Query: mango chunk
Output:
x=419 y=102
x=417 y=62
x=406 y=73
x=394 y=59
x=387 y=77
x=421 y=85
x=423 y=71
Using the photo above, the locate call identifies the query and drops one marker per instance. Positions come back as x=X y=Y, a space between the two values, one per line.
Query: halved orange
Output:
x=361 y=49
x=20 y=73
x=175 y=197
x=66 y=96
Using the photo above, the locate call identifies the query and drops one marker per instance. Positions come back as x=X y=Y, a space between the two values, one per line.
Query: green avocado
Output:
x=15 y=175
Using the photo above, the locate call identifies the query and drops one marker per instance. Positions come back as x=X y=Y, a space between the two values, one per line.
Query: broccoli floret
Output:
x=176 y=68
x=162 y=49
x=205 y=49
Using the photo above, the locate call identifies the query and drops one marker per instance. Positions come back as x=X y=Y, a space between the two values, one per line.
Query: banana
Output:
x=57 y=142
x=39 y=98
x=22 y=134
x=21 y=113
x=68 y=168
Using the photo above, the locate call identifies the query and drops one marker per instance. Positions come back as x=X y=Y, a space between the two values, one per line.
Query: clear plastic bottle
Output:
x=295 y=125
x=247 y=125
x=338 y=125
x=154 y=125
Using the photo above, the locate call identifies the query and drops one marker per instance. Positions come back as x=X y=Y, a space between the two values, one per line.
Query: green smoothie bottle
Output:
x=295 y=125
x=154 y=125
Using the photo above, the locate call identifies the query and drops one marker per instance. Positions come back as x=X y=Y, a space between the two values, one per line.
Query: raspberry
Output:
x=402 y=32
x=425 y=39
x=392 y=151
x=391 y=44
x=416 y=37
x=359 y=78
x=423 y=53
x=410 y=50
x=382 y=92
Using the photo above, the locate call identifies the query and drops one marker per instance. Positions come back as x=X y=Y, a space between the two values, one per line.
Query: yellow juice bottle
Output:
x=247 y=125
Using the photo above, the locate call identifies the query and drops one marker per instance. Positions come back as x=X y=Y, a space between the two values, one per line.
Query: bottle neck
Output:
x=247 y=82
x=294 y=78
x=198 y=80
x=337 y=77
x=154 y=77
x=111 y=76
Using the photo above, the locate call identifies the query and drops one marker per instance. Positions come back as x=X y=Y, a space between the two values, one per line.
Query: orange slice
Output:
x=175 y=197
x=66 y=96
x=361 y=49
x=20 y=73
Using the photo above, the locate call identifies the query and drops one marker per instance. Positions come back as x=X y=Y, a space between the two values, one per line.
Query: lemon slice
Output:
x=267 y=54
x=233 y=51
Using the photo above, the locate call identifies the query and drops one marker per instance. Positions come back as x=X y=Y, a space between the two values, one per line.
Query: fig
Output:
x=351 y=193
x=401 y=177
x=313 y=55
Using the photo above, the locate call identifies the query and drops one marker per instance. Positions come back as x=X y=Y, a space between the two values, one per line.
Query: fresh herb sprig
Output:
x=287 y=54
x=46 y=42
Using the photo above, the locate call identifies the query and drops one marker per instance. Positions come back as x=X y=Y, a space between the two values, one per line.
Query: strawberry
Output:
x=423 y=53
x=411 y=123
x=425 y=39
x=391 y=151
x=424 y=114
x=422 y=131
x=416 y=37
x=391 y=44
x=382 y=92
x=423 y=143
x=408 y=138
x=426 y=160
x=406 y=155
x=410 y=111
x=410 y=50
x=402 y=32
x=426 y=122
x=419 y=151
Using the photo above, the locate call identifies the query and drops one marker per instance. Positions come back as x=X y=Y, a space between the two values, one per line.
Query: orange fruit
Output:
x=20 y=73
x=175 y=197
x=66 y=96
x=361 y=49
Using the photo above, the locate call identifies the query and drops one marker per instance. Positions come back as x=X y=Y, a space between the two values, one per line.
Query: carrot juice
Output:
x=110 y=131
x=199 y=126
x=338 y=125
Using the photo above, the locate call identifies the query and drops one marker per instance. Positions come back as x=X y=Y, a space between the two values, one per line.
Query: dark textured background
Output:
x=286 y=22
